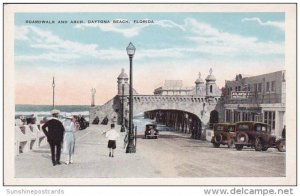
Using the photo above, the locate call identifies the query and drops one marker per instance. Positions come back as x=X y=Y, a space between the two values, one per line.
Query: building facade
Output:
x=207 y=89
x=257 y=98
x=173 y=87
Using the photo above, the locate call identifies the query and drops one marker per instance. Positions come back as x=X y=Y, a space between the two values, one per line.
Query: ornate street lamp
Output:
x=122 y=114
x=130 y=147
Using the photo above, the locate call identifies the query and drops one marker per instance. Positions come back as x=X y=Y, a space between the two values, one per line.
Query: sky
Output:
x=82 y=54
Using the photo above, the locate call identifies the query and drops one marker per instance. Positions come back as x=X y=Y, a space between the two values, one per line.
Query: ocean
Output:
x=44 y=110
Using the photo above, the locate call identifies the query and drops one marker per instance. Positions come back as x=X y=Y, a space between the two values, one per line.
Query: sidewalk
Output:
x=90 y=160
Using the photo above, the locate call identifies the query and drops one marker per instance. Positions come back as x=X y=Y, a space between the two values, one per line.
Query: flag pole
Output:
x=53 y=86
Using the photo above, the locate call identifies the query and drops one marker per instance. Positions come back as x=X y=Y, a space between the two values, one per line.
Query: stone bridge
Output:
x=197 y=105
x=201 y=103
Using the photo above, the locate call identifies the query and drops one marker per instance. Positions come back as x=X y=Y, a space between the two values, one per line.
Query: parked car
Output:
x=151 y=131
x=257 y=135
x=224 y=133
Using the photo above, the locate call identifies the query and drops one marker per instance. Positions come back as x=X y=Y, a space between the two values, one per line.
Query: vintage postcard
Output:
x=150 y=94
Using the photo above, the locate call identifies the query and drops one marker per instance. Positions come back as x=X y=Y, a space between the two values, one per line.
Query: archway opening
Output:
x=177 y=120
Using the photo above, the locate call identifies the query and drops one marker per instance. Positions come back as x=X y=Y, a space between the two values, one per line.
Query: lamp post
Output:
x=53 y=86
x=122 y=114
x=130 y=147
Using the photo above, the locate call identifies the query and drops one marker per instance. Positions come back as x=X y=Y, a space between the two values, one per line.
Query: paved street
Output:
x=172 y=155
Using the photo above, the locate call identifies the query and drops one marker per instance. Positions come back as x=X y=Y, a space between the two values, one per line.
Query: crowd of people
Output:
x=32 y=119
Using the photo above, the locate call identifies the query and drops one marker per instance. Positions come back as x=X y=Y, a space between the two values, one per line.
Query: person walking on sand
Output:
x=71 y=127
x=112 y=136
x=54 y=131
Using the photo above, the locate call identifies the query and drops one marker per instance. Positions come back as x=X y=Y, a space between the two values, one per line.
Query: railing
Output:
x=27 y=138
x=175 y=98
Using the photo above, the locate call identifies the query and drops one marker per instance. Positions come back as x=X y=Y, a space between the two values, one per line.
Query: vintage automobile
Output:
x=256 y=135
x=224 y=133
x=151 y=131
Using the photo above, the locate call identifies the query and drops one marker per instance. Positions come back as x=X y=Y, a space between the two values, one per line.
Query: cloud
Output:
x=169 y=24
x=21 y=33
x=212 y=41
x=275 y=24
x=54 y=49
x=129 y=31
x=203 y=39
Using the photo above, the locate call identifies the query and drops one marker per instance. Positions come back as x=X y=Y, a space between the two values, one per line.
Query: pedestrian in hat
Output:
x=69 y=138
x=54 y=131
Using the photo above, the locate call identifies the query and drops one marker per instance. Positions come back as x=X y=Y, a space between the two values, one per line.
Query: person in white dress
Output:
x=71 y=127
x=112 y=136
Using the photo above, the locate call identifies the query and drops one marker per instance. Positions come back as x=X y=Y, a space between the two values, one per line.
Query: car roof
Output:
x=224 y=124
x=150 y=124
x=251 y=122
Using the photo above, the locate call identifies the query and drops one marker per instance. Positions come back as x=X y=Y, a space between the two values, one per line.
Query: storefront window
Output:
x=269 y=118
x=228 y=116
x=237 y=116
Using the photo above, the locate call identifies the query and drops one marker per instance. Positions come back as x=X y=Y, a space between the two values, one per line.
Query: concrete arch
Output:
x=189 y=107
x=199 y=106
x=182 y=121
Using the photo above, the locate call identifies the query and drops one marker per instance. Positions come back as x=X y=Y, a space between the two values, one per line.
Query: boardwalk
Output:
x=91 y=160
x=172 y=155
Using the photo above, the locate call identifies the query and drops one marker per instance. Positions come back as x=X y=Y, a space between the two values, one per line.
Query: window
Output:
x=249 y=87
x=268 y=87
x=269 y=118
x=243 y=127
x=239 y=88
x=228 y=115
x=258 y=118
x=245 y=116
x=259 y=87
x=273 y=86
x=210 y=88
x=255 y=87
x=220 y=128
x=231 y=129
x=261 y=128
x=236 y=116
x=258 y=128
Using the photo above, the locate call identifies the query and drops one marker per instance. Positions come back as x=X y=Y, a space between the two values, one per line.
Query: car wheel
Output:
x=258 y=144
x=242 y=137
x=218 y=138
x=230 y=143
x=264 y=148
x=281 y=146
x=239 y=147
x=216 y=145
